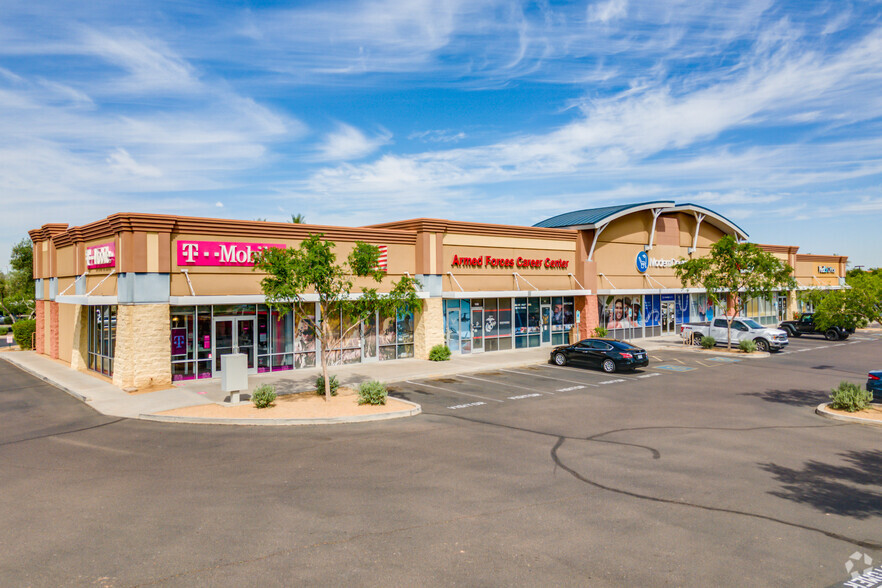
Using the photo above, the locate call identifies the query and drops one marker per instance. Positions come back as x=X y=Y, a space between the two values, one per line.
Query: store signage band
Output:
x=826 y=269
x=99 y=256
x=520 y=262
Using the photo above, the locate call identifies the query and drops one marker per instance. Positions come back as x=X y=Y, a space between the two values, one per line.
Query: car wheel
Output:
x=696 y=340
x=608 y=365
x=795 y=333
x=762 y=345
x=845 y=336
x=560 y=359
x=831 y=335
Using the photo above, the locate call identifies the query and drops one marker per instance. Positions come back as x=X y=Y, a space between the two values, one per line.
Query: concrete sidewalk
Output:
x=110 y=400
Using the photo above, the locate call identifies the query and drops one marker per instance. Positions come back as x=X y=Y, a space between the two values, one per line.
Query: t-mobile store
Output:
x=149 y=299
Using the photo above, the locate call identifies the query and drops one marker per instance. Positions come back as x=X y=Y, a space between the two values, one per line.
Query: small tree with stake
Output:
x=739 y=271
x=312 y=268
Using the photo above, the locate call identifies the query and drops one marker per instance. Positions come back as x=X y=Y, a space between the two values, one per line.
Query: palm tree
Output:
x=298 y=219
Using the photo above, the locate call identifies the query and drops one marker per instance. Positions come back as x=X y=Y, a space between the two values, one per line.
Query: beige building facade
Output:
x=145 y=300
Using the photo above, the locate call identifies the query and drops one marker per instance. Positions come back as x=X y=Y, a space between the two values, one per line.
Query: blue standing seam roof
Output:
x=589 y=216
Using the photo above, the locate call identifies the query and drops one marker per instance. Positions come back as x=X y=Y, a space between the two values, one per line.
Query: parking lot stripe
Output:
x=575 y=369
x=453 y=391
x=649 y=375
x=549 y=378
x=500 y=383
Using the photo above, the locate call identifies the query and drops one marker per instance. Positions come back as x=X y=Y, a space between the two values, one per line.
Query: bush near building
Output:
x=439 y=353
x=264 y=396
x=23 y=331
x=372 y=392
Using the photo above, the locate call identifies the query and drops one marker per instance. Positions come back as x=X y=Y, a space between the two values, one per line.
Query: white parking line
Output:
x=566 y=367
x=611 y=381
x=452 y=391
x=548 y=377
x=649 y=375
x=500 y=383
x=468 y=405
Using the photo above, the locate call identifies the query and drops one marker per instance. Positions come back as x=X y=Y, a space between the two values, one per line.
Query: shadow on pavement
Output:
x=793 y=397
x=833 y=488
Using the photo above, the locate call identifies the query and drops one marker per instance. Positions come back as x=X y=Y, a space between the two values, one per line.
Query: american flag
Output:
x=384 y=257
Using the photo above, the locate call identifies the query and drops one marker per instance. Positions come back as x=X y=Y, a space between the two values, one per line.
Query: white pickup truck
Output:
x=766 y=339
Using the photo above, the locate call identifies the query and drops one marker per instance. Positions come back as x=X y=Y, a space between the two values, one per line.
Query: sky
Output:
x=352 y=113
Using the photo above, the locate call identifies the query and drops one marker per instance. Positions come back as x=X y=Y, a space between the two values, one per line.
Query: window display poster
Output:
x=702 y=310
x=621 y=312
x=681 y=308
x=653 y=310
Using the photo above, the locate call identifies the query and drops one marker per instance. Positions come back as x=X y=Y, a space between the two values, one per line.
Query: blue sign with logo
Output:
x=642 y=262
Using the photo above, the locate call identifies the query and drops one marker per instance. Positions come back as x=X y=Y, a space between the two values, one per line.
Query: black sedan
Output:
x=608 y=354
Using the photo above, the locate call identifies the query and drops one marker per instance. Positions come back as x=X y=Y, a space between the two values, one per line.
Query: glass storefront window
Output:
x=101 y=345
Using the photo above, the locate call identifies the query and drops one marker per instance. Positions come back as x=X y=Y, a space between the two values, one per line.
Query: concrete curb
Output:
x=695 y=349
x=417 y=409
x=822 y=411
x=46 y=379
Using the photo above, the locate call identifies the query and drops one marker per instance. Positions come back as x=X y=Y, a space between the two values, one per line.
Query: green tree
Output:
x=736 y=272
x=17 y=291
x=298 y=219
x=312 y=268
x=849 y=308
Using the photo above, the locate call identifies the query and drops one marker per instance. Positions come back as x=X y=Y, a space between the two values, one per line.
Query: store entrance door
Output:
x=545 y=322
x=668 y=318
x=233 y=334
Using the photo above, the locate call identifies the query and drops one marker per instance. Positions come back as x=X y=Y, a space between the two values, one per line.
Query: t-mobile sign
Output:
x=220 y=253
x=101 y=256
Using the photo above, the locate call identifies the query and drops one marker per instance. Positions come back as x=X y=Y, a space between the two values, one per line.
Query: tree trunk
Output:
x=324 y=338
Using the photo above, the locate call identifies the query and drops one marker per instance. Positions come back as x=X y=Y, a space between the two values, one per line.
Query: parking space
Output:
x=497 y=388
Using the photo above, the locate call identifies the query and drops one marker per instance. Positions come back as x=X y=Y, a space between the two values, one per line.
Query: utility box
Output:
x=234 y=374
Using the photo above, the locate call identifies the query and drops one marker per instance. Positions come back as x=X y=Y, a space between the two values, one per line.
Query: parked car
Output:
x=874 y=384
x=609 y=355
x=805 y=325
x=765 y=338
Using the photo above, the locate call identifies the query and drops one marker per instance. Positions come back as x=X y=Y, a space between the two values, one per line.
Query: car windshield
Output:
x=752 y=323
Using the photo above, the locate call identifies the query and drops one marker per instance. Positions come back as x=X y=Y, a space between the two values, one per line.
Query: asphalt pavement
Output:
x=715 y=474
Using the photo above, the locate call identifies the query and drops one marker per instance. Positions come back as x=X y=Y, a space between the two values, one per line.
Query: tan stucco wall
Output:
x=618 y=246
x=66 y=319
x=79 y=338
x=143 y=347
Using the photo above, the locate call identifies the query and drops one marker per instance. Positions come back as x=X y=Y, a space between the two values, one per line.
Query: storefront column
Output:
x=79 y=348
x=588 y=319
x=53 y=330
x=143 y=346
x=792 y=305
x=429 y=327
x=39 y=346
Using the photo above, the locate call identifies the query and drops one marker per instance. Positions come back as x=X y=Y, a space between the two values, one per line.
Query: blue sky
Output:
x=360 y=112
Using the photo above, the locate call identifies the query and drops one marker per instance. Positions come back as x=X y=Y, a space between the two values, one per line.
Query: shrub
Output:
x=8 y=320
x=23 y=332
x=850 y=397
x=747 y=346
x=264 y=396
x=439 y=353
x=372 y=392
x=600 y=332
x=4 y=330
x=320 y=385
x=708 y=342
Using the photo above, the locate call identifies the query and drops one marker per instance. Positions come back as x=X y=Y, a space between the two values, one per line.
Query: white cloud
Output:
x=608 y=10
x=121 y=159
x=347 y=142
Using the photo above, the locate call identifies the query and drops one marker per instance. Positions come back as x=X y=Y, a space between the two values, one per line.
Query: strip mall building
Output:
x=148 y=299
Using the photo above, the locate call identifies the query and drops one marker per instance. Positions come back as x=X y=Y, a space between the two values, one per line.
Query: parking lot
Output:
x=703 y=473
x=668 y=369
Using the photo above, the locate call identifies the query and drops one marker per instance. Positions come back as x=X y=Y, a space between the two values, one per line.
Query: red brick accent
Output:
x=38 y=345
x=53 y=330
x=587 y=307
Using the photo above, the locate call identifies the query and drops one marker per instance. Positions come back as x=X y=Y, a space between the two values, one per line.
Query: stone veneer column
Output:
x=79 y=349
x=792 y=305
x=53 y=329
x=143 y=346
x=41 y=323
x=429 y=328
x=587 y=307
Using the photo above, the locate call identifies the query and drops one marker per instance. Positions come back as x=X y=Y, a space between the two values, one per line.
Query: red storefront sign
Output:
x=490 y=261
x=98 y=256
